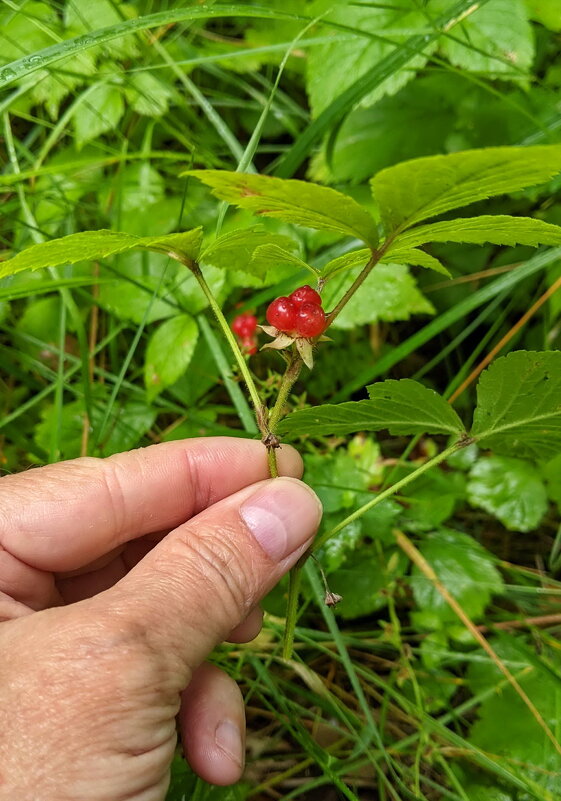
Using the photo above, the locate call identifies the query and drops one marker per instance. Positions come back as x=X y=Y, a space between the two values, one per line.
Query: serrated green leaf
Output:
x=266 y=256
x=422 y=188
x=92 y=245
x=518 y=409
x=499 y=229
x=334 y=66
x=497 y=40
x=464 y=567
x=510 y=489
x=235 y=250
x=169 y=352
x=356 y=258
x=413 y=256
x=402 y=407
x=299 y=202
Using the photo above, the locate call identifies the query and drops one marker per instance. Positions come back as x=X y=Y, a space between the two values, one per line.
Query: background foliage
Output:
x=390 y=697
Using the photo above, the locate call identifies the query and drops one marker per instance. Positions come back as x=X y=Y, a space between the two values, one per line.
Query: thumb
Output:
x=202 y=579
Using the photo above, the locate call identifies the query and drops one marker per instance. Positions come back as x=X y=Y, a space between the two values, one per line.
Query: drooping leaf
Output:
x=334 y=66
x=402 y=407
x=169 y=352
x=510 y=489
x=422 y=188
x=300 y=202
x=464 y=567
x=389 y=293
x=497 y=39
x=500 y=229
x=235 y=250
x=92 y=245
x=518 y=409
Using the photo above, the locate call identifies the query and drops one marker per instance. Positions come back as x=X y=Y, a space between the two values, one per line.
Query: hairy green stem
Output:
x=231 y=339
x=289 y=378
x=440 y=457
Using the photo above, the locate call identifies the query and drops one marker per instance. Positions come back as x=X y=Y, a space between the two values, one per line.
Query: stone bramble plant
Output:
x=518 y=410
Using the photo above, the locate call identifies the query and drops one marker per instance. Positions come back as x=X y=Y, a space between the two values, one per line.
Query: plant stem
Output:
x=440 y=457
x=290 y=376
x=294 y=581
x=231 y=339
x=357 y=283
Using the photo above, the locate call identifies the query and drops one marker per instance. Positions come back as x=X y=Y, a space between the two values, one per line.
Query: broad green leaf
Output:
x=235 y=250
x=506 y=727
x=497 y=40
x=84 y=16
x=169 y=352
x=464 y=567
x=336 y=65
x=422 y=188
x=431 y=499
x=92 y=245
x=266 y=256
x=510 y=489
x=300 y=202
x=100 y=112
x=365 y=581
x=518 y=409
x=396 y=128
x=402 y=407
x=413 y=256
x=498 y=229
x=548 y=12
x=551 y=472
x=336 y=480
x=389 y=293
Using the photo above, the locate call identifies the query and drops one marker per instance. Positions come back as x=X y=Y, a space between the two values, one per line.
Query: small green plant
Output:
x=518 y=414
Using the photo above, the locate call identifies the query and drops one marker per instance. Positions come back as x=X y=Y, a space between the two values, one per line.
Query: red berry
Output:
x=244 y=324
x=282 y=314
x=310 y=320
x=305 y=294
x=249 y=345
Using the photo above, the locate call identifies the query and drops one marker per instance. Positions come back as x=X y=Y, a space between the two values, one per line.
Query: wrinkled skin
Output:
x=117 y=578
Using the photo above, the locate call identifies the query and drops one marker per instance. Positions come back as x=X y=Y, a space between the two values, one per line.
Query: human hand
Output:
x=117 y=578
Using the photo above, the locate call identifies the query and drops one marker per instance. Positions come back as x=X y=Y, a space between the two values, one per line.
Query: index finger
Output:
x=62 y=516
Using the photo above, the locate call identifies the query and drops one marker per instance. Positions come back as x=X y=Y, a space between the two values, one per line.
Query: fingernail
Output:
x=282 y=515
x=228 y=738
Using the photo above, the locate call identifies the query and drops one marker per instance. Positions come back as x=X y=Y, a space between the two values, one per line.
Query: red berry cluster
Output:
x=245 y=326
x=300 y=314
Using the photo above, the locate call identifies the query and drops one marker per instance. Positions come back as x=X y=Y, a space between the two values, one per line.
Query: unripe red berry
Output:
x=310 y=320
x=244 y=324
x=305 y=294
x=282 y=314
